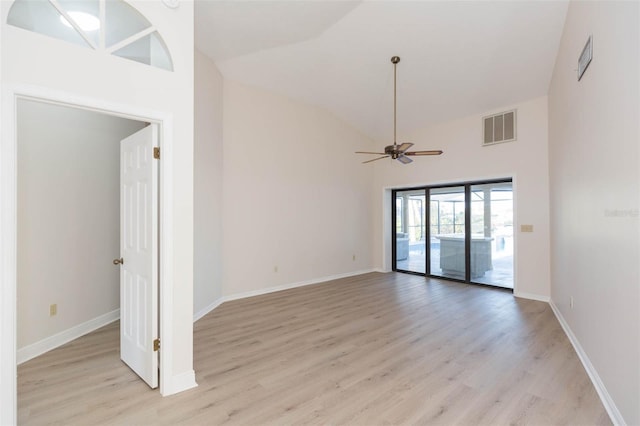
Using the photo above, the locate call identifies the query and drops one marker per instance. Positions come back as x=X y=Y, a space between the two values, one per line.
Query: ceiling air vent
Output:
x=500 y=128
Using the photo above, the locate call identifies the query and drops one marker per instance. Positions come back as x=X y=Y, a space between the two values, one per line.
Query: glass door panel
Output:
x=410 y=231
x=492 y=234
x=447 y=232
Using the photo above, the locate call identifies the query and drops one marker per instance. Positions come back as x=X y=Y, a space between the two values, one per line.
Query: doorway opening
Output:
x=469 y=236
x=76 y=213
x=168 y=384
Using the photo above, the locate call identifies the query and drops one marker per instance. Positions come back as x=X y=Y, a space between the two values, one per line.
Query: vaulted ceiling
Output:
x=457 y=57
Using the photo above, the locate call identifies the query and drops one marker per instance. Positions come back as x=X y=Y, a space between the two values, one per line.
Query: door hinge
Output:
x=156 y=153
x=156 y=345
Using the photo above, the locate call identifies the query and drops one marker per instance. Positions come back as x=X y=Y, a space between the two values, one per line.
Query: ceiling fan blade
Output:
x=375 y=159
x=404 y=160
x=367 y=152
x=432 y=152
x=405 y=146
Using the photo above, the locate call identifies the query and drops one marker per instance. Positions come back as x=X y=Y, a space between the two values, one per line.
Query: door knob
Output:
x=118 y=261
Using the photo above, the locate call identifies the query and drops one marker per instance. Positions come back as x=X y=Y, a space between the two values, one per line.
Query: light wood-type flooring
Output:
x=374 y=349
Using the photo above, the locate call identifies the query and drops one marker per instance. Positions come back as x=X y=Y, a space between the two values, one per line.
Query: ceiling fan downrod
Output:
x=395 y=151
x=394 y=61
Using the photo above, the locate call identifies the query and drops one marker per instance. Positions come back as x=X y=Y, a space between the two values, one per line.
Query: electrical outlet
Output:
x=53 y=309
x=571 y=302
x=354 y=257
x=526 y=228
x=275 y=268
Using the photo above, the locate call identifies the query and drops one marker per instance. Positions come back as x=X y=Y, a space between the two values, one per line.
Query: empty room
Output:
x=319 y=212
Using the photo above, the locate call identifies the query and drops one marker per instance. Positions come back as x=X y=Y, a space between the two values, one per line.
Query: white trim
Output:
x=129 y=40
x=204 y=311
x=293 y=285
x=45 y=345
x=180 y=382
x=531 y=296
x=8 y=406
x=73 y=23
x=102 y=12
x=8 y=225
x=8 y=189
x=607 y=401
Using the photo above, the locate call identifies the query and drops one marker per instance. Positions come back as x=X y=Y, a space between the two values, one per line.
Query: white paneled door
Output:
x=139 y=253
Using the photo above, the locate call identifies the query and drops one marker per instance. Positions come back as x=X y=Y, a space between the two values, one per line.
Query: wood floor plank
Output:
x=367 y=350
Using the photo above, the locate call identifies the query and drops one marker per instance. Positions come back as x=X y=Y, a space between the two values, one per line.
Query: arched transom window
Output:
x=112 y=26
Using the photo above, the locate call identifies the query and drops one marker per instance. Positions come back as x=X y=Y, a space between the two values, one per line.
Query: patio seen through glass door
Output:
x=411 y=231
x=447 y=236
x=492 y=234
x=469 y=236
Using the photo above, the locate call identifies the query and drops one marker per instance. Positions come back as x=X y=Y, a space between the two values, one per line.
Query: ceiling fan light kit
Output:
x=395 y=151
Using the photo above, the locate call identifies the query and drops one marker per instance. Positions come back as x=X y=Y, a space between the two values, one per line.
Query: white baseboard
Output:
x=45 y=345
x=201 y=313
x=204 y=311
x=607 y=401
x=531 y=296
x=180 y=382
x=293 y=285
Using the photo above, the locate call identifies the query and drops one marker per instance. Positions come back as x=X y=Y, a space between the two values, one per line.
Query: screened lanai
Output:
x=491 y=232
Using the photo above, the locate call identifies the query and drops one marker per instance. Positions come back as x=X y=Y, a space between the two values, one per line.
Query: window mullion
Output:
x=130 y=40
x=73 y=23
x=103 y=19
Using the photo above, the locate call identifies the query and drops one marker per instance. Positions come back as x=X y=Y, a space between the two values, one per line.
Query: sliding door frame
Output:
x=467 y=228
x=394 y=223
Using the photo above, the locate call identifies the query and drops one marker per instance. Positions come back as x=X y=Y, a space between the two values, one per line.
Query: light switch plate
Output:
x=526 y=228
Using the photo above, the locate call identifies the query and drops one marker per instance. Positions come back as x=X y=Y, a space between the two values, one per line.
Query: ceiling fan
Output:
x=395 y=151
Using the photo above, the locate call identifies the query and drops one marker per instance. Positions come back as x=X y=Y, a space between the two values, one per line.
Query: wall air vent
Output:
x=499 y=128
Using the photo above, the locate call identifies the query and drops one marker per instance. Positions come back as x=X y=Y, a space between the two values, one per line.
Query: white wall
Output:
x=464 y=159
x=68 y=216
x=36 y=60
x=295 y=195
x=594 y=172
x=207 y=198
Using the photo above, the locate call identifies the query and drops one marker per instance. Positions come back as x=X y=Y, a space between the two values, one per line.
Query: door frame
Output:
x=8 y=226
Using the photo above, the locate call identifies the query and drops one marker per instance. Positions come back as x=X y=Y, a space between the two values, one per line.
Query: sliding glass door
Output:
x=447 y=236
x=492 y=234
x=410 y=226
x=469 y=236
